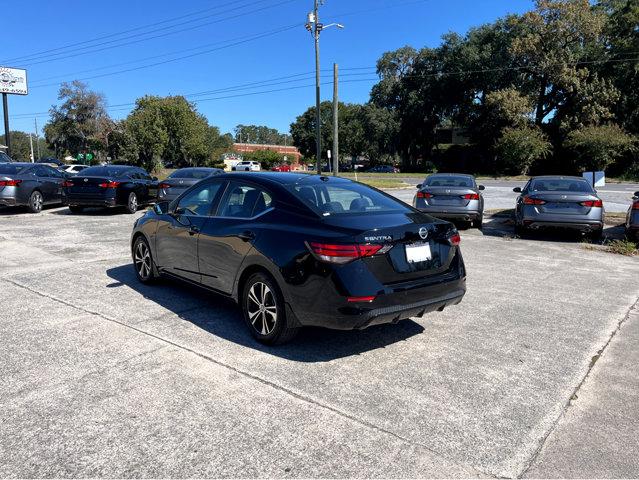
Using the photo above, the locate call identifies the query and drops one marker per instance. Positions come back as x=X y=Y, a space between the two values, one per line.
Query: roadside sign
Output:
x=13 y=80
x=596 y=179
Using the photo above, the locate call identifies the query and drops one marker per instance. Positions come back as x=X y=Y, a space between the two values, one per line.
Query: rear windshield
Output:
x=105 y=171
x=9 y=169
x=560 y=185
x=346 y=198
x=449 y=181
x=188 y=173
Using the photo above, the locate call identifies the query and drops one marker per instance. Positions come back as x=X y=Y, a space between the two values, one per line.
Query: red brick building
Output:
x=292 y=153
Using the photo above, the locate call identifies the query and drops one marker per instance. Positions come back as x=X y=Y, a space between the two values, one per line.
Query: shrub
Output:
x=596 y=147
x=518 y=148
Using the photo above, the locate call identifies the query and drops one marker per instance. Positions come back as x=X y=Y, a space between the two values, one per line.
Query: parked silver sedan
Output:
x=632 y=219
x=559 y=202
x=451 y=196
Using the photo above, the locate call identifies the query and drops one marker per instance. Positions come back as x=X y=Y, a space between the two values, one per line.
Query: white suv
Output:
x=247 y=167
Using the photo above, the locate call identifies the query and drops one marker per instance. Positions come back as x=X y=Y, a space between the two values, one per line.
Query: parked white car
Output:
x=73 y=169
x=247 y=167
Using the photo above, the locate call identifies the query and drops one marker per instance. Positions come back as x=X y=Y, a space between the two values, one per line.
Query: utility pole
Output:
x=31 y=145
x=335 y=123
x=314 y=26
x=7 y=137
x=37 y=134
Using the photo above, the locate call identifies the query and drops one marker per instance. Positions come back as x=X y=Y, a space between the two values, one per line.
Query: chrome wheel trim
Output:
x=133 y=202
x=36 y=201
x=261 y=308
x=142 y=259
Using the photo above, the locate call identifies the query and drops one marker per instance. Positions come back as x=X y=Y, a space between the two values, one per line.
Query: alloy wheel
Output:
x=261 y=308
x=142 y=260
x=133 y=202
x=36 y=201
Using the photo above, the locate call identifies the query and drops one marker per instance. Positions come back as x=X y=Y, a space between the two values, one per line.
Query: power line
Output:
x=44 y=53
x=65 y=55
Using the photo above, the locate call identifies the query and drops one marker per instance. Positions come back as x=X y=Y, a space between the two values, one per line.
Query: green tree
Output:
x=597 y=147
x=267 y=158
x=519 y=147
x=260 y=134
x=75 y=124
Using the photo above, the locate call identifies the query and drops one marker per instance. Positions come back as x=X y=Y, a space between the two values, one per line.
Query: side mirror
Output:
x=419 y=185
x=517 y=189
x=481 y=187
x=636 y=194
x=161 y=208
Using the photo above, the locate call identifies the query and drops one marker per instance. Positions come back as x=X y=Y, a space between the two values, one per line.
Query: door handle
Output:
x=247 y=236
x=194 y=230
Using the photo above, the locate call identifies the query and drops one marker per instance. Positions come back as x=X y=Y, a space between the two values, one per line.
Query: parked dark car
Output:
x=111 y=186
x=451 y=196
x=4 y=158
x=296 y=250
x=31 y=185
x=182 y=179
x=632 y=219
x=383 y=169
x=51 y=161
x=559 y=202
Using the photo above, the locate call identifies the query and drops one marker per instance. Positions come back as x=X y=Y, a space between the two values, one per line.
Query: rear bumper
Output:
x=91 y=202
x=466 y=215
x=8 y=201
x=390 y=307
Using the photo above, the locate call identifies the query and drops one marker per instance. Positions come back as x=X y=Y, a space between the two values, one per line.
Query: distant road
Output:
x=499 y=194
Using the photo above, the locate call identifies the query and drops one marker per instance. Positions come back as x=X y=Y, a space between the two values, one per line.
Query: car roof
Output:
x=283 y=178
x=558 y=177
x=22 y=164
x=443 y=174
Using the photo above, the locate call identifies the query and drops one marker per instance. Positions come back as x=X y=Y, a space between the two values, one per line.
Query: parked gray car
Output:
x=632 y=219
x=559 y=202
x=183 y=178
x=451 y=196
x=31 y=185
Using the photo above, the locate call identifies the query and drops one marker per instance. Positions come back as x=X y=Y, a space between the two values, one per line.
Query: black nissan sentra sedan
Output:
x=298 y=250
x=111 y=186
x=182 y=179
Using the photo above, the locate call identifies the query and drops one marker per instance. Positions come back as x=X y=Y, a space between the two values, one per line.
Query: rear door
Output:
x=178 y=231
x=229 y=235
x=48 y=185
x=57 y=179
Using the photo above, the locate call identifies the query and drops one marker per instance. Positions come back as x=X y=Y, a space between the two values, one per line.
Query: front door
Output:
x=228 y=237
x=179 y=230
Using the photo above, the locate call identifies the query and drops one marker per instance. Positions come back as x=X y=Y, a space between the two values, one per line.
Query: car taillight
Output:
x=67 y=183
x=368 y=299
x=10 y=183
x=471 y=196
x=340 y=253
x=454 y=239
x=109 y=184
x=635 y=206
x=164 y=185
x=533 y=201
x=592 y=203
x=424 y=195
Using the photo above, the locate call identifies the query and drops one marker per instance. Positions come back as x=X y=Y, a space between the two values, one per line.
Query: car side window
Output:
x=52 y=172
x=143 y=175
x=40 y=171
x=243 y=200
x=199 y=201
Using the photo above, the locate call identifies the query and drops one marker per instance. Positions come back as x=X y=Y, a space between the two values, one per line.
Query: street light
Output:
x=315 y=27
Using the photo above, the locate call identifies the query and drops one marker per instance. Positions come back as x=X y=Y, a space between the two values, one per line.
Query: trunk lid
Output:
x=407 y=254
x=564 y=203
x=83 y=184
x=178 y=185
x=447 y=196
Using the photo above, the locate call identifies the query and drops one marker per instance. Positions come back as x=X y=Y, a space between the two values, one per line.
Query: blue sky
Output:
x=220 y=39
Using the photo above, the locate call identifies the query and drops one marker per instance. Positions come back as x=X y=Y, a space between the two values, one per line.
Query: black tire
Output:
x=478 y=222
x=520 y=230
x=76 y=208
x=143 y=263
x=35 y=202
x=596 y=235
x=264 y=311
x=132 y=203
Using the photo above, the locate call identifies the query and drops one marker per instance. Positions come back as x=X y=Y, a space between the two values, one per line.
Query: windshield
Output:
x=449 y=181
x=191 y=173
x=346 y=198
x=105 y=171
x=9 y=169
x=561 y=185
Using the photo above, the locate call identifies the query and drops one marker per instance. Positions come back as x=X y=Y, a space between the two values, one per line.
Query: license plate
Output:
x=418 y=252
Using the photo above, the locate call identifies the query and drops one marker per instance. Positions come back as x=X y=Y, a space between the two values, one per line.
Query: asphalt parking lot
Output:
x=533 y=374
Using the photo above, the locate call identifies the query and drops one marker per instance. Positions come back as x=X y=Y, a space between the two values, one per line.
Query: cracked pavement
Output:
x=103 y=376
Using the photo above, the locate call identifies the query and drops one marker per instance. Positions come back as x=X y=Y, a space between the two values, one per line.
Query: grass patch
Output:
x=622 y=247
x=501 y=212
x=383 y=182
